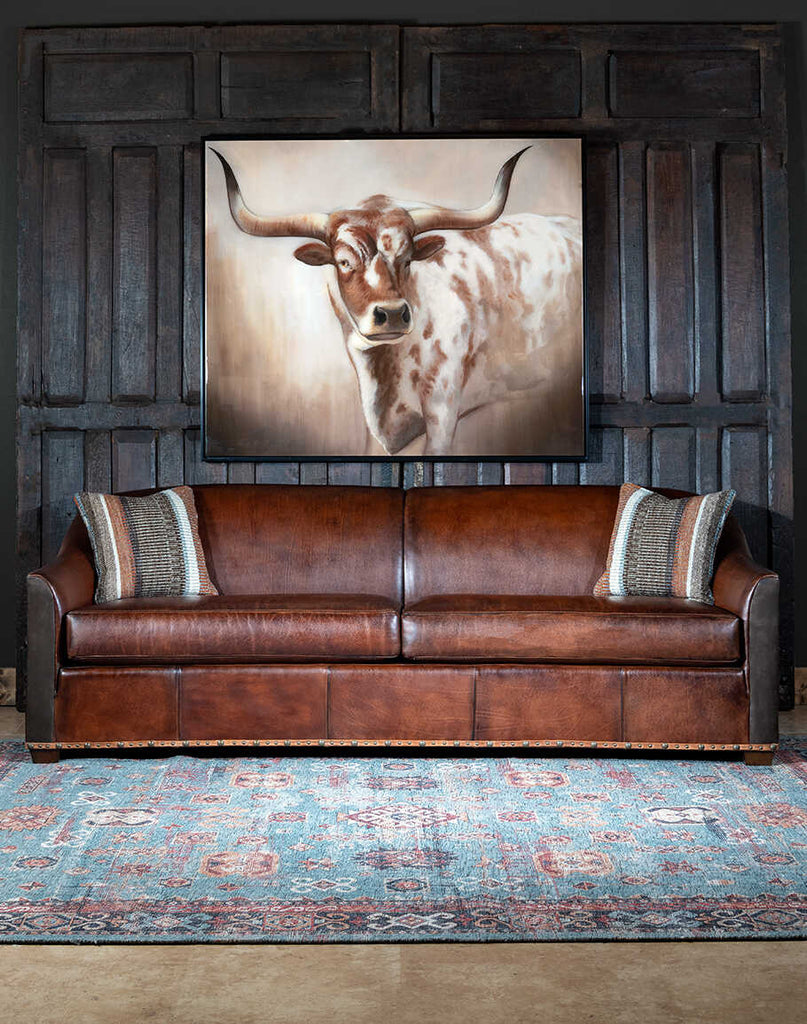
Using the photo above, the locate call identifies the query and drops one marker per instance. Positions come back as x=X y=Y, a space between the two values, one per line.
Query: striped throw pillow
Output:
x=664 y=547
x=146 y=546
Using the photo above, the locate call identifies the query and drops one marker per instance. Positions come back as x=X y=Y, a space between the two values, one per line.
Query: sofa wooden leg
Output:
x=758 y=757
x=39 y=756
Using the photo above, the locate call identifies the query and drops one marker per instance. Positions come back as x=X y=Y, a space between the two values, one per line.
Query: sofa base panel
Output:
x=404 y=704
x=107 y=704
x=253 y=702
x=551 y=701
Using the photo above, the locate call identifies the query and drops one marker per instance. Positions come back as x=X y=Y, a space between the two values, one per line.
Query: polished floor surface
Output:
x=550 y=983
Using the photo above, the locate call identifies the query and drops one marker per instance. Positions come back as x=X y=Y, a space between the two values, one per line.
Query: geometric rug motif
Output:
x=334 y=849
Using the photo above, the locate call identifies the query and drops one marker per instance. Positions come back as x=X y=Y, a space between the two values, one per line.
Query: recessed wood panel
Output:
x=400 y=702
x=134 y=460
x=669 y=274
x=324 y=84
x=741 y=274
x=673 y=458
x=697 y=83
x=62 y=477
x=241 y=702
x=744 y=464
x=548 y=702
x=134 y=278
x=64 y=275
x=469 y=88
x=603 y=320
x=118 y=86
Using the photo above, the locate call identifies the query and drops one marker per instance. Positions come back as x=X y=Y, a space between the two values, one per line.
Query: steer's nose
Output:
x=393 y=318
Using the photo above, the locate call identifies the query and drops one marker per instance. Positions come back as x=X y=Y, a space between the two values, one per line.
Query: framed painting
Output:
x=405 y=298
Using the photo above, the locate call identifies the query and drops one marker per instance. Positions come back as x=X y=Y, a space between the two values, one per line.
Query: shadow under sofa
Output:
x=361 y=616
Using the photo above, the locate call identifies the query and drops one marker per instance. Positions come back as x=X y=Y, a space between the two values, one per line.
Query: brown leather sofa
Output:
x=353 y=616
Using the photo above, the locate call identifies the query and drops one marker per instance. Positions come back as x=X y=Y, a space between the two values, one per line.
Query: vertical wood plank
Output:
x=636 y=456
x=705 y=269
x=670 y=274
x=192 y=263
x=29 y=538
x=602 y=274
x=527 y=473
x=207 y=85
x=99 y=274
x=170 y=470
x=490 y=473
x=62 y=478
x=98 y=461
x=707 y=452
x=64 y=275
x=565 y=473
x=604 y=465
x=197 y=471
x=674 y=458
x=241 y=473
x=633 y=269
x=418 y=474
x=169 y=273
x=314 y=473
x=385 y=474
x=349 y=473
x=134 y=459
x=277 y=473
x=741 y=274
x=134 y=275
x=779 y=379
x=453 y=474
x=31 y=79
x=744 y=466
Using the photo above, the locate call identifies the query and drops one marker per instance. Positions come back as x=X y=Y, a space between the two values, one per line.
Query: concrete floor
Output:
x=550 y=983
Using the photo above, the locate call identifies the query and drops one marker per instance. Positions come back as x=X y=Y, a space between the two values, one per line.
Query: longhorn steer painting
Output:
x=407 y=297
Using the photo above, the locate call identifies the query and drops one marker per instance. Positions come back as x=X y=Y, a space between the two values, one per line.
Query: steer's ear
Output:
x=315 y=254
x=428 y=246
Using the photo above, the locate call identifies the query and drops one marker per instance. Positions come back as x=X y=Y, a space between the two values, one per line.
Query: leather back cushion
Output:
x=302 y=540
x=506 y=540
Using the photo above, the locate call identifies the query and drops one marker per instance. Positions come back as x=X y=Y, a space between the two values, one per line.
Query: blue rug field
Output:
x=341 y=849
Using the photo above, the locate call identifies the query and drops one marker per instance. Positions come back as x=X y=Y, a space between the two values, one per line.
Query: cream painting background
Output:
x=278 y=378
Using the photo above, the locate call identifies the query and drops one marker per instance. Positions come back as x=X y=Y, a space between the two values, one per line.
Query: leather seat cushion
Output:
x=236 y=628
x=584 y=629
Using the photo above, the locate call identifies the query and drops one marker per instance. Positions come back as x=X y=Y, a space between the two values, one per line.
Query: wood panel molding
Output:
x=687 y=289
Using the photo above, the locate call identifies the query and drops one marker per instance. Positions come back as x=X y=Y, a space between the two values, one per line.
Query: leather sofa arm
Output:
x=53 y=590
x=751 y=592
x=736 y=580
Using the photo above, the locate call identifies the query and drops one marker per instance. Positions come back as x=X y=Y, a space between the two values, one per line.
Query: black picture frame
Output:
x=406 y=455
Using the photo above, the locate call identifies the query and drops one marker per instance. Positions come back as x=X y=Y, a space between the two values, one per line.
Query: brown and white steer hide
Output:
x=494 y=311
x=437 y=325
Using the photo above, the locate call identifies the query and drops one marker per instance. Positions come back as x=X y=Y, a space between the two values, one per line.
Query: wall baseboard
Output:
x=8 y=686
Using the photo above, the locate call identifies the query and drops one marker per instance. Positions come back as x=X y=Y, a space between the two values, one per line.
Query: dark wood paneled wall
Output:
x=687 y=244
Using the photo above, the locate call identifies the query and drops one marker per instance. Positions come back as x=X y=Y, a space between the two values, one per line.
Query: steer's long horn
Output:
x=438 y=218
x=305 y=225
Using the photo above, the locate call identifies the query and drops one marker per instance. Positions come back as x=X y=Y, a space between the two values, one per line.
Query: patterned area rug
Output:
x=317 y=849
